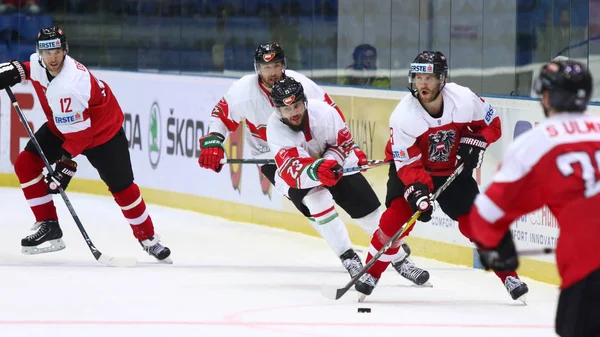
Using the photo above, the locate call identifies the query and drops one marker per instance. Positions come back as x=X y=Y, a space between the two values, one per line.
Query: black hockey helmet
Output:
x=429 y=62
x=268 y=52
x=569 y=84
x=286 y=92
x=51 y=38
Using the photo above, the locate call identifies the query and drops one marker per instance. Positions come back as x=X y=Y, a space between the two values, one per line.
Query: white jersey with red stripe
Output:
x=80 y=109
x=326 y=136
x=557 y=164
x=422 y=145
x=248 y=99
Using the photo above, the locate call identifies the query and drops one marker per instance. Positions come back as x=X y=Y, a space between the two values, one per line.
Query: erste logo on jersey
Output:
x=68 y=118
x=440 y=144
x=289 y=100
x=489 y=115
x=49 y=44
x=268 y=57
x=421 y=68
x=400 y=153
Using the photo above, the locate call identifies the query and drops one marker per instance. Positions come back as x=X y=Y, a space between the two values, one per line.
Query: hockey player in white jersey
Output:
x=312 y=145
x=248 y=99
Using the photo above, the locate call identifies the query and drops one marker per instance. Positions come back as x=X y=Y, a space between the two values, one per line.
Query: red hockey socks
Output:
x=29 y=167
x=134 y=209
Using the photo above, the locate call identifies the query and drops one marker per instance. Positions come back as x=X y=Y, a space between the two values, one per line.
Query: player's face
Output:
x=427 y=85
x=270 y=72
x=294 y=115
x=53 y=59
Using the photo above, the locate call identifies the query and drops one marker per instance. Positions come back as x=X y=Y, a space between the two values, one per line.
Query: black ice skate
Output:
x=516 y=288
x=365 y=286
x=153 y=247
x=48 y=238
x=407 y=269
x=351 y=262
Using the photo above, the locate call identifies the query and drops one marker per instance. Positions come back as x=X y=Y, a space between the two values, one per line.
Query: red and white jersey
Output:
x=80 y=109
x=326 y=136
x=421 y=145
x=249 y=99
x=556 y=164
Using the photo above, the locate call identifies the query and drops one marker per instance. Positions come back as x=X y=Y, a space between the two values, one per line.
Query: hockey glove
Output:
x=470 y=151
x=11 y=73
x=63 y=172
x=501 y=258
x=327 y=171
x=362 y=157
x=418 y=198
x=212 y=151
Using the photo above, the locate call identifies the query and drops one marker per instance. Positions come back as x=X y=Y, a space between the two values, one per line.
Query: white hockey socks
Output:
x=326 y=221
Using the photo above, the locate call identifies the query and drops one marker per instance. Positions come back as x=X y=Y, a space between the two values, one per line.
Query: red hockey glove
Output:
x=417 y=195
x=362 y=157
x=212 y=152
x=327 y=171
x=63 y=172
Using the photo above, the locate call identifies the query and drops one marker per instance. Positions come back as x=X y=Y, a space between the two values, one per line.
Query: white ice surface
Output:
x=232 y=279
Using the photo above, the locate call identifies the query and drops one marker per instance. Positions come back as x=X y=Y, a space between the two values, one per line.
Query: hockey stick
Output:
x=102 y=258
x=532 y=252
x=371 y=164
x=247 y=161
x=336 y=294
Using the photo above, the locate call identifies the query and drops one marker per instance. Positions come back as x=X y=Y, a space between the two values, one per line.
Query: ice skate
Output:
x=365 y=286
x=407 y=269
x=156 y=249
x=351 y=262
x=48 y=238
x=516 y=288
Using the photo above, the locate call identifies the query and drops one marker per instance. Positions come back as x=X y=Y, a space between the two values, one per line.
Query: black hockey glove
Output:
x=470 y=151
x=500 y=258
x=418 y=198
x=63 y=172
x=11 y=73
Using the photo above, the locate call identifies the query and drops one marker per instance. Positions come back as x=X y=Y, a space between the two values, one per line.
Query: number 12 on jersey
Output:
x=65 y=104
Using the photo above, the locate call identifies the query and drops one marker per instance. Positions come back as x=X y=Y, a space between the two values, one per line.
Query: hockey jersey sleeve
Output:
x=340 y=142
x=406 y=153
x=226 y=115
x=485 y=121
x=291 y=158
x=517 y=189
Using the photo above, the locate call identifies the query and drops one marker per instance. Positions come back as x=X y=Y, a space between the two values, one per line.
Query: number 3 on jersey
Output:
x=65 y=104
x=565 y=164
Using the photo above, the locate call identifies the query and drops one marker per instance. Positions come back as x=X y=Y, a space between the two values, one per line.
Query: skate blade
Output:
x=523 y=299
x=426 y=285
x=166 y=260
x=361 y=297
x=46 y=247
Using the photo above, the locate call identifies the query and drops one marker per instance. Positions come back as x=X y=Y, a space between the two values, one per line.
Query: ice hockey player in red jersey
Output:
x=556 y=164
x=312 y=143
x=248 y=99
x=433 y=130
x=84 y=117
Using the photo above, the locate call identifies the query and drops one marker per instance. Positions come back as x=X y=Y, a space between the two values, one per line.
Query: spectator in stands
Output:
x=363 y=71
x=31 y=7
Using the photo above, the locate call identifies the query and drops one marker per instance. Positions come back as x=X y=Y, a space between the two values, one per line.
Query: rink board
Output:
x=166 y=114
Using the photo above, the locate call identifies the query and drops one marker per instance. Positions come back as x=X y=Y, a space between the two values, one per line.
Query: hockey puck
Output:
x=366 y=310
